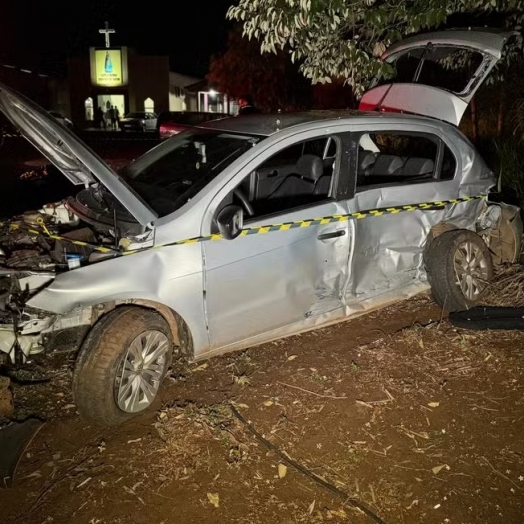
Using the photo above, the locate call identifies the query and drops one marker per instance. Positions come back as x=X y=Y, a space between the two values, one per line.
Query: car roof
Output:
x=268 y=124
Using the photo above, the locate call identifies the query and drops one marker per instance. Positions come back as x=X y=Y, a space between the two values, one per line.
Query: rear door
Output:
x=397 y=166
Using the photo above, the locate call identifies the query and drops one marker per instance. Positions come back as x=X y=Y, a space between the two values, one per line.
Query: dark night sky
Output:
x=41 y=34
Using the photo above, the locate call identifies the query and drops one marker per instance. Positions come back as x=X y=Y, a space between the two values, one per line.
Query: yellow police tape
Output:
x=261 y=230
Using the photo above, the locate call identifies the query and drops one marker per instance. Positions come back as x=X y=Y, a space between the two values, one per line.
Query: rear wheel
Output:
x=459 y=267
x=121 y=365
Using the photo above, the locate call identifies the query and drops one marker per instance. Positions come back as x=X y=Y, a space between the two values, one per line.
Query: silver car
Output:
x=139 y=122
x=243 y=231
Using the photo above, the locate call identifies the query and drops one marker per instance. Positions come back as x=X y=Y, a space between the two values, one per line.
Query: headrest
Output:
x=310 y=166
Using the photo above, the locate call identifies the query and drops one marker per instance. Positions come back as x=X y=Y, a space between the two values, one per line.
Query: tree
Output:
x=273 y=81
x=333 y=39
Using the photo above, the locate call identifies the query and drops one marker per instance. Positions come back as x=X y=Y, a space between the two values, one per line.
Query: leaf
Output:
x=282 y=471
x=311 y=507
x=437 y=469
x=203 y=366
x=268 y=403
x=242 y=380
x=434 y=404
x=292 y=357
x=214 y=499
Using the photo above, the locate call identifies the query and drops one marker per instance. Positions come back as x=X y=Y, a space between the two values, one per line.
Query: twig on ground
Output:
x=311 y=392
x=497 y=472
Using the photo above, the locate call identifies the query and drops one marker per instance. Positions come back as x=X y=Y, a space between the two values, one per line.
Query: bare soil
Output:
x=414 y=419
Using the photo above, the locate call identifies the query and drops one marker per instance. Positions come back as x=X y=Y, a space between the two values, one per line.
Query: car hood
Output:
x=68 y=153
x=424 y=96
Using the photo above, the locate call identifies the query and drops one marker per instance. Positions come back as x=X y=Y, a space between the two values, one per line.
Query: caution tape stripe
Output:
x=358 y=215
x=262 y=230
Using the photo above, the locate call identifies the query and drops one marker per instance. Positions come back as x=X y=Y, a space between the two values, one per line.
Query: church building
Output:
x=116 y=76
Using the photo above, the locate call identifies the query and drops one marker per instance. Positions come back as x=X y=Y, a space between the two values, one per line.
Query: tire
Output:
x=445 y=256
x=97 y=384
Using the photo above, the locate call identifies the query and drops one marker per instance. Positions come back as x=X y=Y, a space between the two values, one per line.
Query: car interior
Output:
x=303 y=174
x=298 y=175
x=385 y=159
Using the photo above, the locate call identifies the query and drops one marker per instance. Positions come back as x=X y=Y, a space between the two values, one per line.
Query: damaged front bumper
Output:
x=24 y=331
x=32 y=334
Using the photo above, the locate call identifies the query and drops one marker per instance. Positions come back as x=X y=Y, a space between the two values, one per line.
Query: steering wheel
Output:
x=245 y=202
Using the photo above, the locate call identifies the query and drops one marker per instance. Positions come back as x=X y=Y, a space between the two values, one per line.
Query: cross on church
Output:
x=106 y=31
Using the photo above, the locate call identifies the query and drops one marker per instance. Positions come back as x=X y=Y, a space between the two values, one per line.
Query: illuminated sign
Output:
x=108 y=67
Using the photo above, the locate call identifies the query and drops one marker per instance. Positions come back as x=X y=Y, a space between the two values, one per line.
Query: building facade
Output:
x=117 y=77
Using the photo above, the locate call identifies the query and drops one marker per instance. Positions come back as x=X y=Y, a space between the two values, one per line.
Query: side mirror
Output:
x=230 y=221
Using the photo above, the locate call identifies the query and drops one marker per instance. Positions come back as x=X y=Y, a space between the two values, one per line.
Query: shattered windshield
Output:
x=172 y=173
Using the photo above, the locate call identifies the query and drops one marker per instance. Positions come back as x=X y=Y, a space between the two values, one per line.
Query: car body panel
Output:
x=430 y=100
x=170 y=123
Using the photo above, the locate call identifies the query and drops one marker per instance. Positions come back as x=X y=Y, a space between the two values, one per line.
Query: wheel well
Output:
x=179 y=329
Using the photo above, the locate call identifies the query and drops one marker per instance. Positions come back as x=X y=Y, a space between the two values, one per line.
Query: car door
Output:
x=150 y=122
x=397 y=166
x=292 y=274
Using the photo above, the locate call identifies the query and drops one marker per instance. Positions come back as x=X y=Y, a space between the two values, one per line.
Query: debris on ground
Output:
x=416 y=420
x=506 y=289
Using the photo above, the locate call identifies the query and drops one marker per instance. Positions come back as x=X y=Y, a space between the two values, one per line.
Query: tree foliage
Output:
x=333 y=39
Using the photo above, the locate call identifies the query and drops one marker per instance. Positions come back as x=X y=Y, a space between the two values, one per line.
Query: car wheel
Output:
x=121 y=365
x=459 y=266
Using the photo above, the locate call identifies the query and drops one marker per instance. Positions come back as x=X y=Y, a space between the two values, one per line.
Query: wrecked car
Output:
x=248 y=229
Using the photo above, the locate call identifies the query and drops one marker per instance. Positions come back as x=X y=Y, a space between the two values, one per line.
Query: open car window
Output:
x=399 y=158
x=297 y=176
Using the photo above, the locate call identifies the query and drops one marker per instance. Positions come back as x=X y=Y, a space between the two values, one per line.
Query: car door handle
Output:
x=332 y=234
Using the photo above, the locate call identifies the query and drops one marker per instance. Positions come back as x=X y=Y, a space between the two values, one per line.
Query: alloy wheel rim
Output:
x=141 y=371
x=471 y=269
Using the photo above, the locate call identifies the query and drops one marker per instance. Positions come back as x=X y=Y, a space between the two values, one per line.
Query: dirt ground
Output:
x=414 y=419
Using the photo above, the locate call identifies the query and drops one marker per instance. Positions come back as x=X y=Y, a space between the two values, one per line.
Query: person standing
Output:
x=117 y=118
x=99 y=118
x=111 y=117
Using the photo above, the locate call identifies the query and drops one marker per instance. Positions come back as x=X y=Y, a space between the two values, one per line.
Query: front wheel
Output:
x=459 y=267
x=121 y=365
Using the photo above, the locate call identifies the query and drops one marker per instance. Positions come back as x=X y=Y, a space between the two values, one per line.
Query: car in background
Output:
x=173 y=122
x=139 y=121
x=62 y=119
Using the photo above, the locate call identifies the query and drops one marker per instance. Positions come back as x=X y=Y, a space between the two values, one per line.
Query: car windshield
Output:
x=135 y=115
x=172 y=173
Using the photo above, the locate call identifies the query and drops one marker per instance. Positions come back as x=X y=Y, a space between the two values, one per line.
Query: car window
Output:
x=172 y=173
x=294 y=177
x=445 y=67
x=394 y=158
